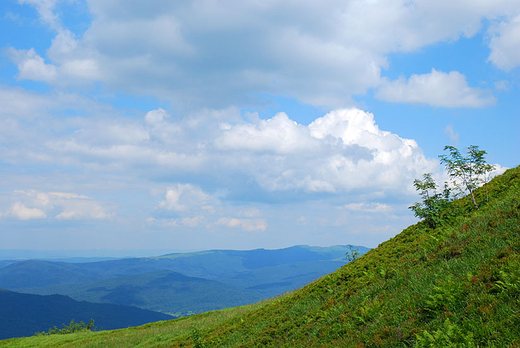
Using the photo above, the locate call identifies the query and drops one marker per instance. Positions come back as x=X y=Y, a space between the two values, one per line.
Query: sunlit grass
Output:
x=157 y=334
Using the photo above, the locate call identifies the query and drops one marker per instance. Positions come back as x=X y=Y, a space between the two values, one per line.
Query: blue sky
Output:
x=241 y=125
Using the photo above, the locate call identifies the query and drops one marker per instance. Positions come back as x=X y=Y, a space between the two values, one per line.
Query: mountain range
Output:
x=177 y=284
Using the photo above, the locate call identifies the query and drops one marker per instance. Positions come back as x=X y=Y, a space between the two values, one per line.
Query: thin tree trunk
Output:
x=473 y=199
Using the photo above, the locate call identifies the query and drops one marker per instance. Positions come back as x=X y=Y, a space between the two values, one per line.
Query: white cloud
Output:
x=246 y=224
x=76 y=206
x=96 y=213
x=193 y=221
x=278 y=134
x=33 y=204
x=21 y=212
x=45 y=9
x=499 y=170
x=454 y=137
x=503 y=85
x=375 y=208
x=179 y=223
x=198 y=53
x=204 y=54
x=339 y=152
x=437 y=88
x=67 y=195
x=184 y=197
x=81 y=68
x=31 y=66
x=156 y=116
x=342 y=151
x=505 y=44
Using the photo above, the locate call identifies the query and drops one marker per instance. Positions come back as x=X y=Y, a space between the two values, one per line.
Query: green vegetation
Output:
x=434 y=203
x=352 y=254
x=68 y=329
x=157 y=334
x=457 y=285
x=467 y=172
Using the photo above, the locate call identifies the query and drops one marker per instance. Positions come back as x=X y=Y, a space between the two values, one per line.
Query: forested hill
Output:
x=25 y=314
x=455 y=285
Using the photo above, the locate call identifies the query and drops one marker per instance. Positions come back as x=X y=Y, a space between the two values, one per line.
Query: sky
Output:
x=203 y=124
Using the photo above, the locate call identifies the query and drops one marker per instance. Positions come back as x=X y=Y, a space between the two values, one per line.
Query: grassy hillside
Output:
x=457 y=285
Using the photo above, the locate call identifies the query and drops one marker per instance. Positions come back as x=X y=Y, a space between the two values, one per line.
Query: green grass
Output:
x=457 y=285
x=157 y=334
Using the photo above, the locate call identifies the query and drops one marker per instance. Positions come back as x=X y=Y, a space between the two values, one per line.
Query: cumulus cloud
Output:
x=437 y=88
x=338 y=152
x=200 y=53
x=71 y=61
x=45 y=9
x=505 y=44
x=155 y=117
x=342 y=151
x=376 y=208
x=21 y=212
x=31 y=66
x=246 y=224
x=83 y=210
x=33 y=204
x=183 y=197
x=194 y=208
x=279 y=134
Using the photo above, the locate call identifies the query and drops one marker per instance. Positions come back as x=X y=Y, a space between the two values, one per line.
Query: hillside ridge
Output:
x=455 y=285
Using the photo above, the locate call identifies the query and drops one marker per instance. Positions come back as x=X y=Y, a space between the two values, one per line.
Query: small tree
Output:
x=467 y=172
x=352 y=254
x=433 y=202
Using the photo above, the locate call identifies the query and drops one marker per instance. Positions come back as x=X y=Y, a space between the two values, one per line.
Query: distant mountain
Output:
x=212 y=264
x=191 y=282
x=219 y=264
x=275 y=280
x=163 y=291
x=5 y=263
x=25 y=314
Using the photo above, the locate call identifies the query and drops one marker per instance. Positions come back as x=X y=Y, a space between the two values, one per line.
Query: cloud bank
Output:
x=200 y=53
x=32 y=204
x=448 y=90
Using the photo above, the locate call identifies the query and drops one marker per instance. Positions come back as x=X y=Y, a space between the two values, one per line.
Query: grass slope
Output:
x=157 y=334
x=457 y=285
x=467 y=272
